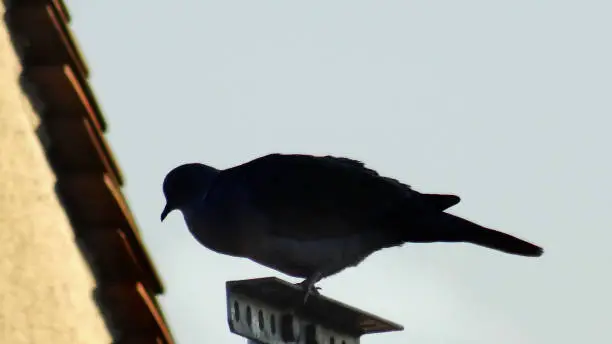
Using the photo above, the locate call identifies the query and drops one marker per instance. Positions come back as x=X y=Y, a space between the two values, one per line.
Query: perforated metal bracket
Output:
x=271 y=311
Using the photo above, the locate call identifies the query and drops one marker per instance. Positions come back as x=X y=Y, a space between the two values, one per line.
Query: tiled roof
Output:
x=88 y=177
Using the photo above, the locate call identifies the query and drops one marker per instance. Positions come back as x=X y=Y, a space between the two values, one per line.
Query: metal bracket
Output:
x=271 y=311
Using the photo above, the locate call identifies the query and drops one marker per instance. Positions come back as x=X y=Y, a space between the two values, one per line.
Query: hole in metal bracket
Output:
x=286 y=328
x=272 y=324
x=236 y=311
x=249 y=316
x=260 y=317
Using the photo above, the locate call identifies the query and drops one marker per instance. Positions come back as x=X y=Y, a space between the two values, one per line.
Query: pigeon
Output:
x=311 y=217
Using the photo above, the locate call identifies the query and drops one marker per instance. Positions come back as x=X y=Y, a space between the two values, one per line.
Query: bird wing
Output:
x=308 y=198
x=441 y=201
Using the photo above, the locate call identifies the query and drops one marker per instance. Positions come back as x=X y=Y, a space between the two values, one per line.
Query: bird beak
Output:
x=165 y=212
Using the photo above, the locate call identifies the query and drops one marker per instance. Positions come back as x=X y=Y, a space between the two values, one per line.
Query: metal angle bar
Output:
x=270 y=311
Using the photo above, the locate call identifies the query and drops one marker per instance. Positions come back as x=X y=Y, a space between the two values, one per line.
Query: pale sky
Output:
x=505 y=103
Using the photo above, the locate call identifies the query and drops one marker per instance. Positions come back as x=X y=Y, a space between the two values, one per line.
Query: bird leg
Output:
x=309 y=285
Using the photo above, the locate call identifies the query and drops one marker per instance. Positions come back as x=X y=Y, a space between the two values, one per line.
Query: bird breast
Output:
x=216 y=233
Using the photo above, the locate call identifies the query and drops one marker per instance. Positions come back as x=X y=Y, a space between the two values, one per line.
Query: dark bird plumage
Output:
x=312 y=217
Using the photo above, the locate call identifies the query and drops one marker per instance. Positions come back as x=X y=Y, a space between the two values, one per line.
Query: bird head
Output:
x=186 y=183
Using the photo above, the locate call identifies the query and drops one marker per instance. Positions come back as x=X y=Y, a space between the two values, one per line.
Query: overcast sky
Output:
x=505 y=103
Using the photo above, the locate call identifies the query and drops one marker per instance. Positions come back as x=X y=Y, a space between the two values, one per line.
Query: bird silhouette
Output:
x=313 y=216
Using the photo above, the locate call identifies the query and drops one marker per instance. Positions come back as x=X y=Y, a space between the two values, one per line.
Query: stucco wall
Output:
x=45 y=284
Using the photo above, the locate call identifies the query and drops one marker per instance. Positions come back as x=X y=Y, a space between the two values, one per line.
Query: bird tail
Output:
x=502 y=242
x=444 y=227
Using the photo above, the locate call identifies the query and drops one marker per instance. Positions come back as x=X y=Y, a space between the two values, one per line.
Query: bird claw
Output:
x=308 y=285
x=313 y=290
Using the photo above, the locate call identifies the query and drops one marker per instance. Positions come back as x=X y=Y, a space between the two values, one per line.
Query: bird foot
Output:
x=312 y=289
x=308 y=285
